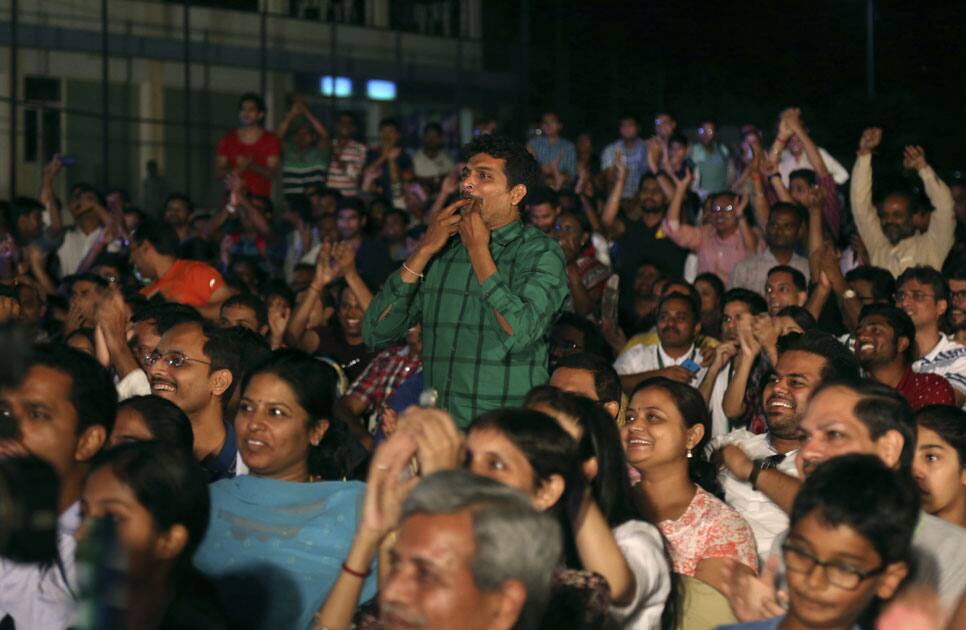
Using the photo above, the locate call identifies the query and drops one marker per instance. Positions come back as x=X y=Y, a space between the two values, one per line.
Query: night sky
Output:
x=744 y=61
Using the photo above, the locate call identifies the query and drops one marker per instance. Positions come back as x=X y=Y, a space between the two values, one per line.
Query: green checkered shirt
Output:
x=468 y=357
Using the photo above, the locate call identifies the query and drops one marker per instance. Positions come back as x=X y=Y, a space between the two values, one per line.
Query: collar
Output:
x=906 y=377
x=665 y=359
x=507 y=233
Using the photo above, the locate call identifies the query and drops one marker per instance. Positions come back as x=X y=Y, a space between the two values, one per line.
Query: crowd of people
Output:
x=669 y=384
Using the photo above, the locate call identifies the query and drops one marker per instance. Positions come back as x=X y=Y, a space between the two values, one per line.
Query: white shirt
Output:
x=38 y=597
x=947 y=359
x=752 y=272
x=642 y=358
x=74 y=248
x=643 y=548
x=789 y=164
x=425 y=166
x=720 y=424
x=766 y=519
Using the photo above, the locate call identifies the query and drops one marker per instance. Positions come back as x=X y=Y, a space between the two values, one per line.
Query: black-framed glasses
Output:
x=837 y=573
x=173 y=359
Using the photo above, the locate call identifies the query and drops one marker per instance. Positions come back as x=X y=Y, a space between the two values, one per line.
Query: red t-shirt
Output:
x=187 y=282
x=925 y=389
x=265 y=147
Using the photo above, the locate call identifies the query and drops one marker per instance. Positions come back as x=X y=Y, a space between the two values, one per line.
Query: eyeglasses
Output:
x=958 y=295
x=837 y=573
x=915 y=296
x=173 y=359
x=716 y=209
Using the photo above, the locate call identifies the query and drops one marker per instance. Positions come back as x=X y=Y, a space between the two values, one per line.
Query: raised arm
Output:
x=733 y=403
x=297 y=334
x=748 y=236
x=942 y=225
x=866 y=220
x=686 y=236
x=793 y=116
x=282 y=130
x=619 y=170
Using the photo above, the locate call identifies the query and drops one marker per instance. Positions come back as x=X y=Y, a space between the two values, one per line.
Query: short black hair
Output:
x=352 y=203
x=798 y=278
x=693 y=302
x=253 y=97
x=183 y=198
x=925 y=275
x=803 y=173
x=247 y=300
x=607 y=383
x=433 y=126
x=541 y=195
x=166 y=421
x=521 y=167
x=390 y=122
x=899 y=321
x=162 y=236
x=861 y=493
x=883 y=283
x=278 y=287
x=92 y=391
x=801 y=315
x=949 y=423
x=88 y=276
x=783 y=206
x=881 y=409
x=755 y=303
x=679 y=138
x=222 y=349
x=840 y=362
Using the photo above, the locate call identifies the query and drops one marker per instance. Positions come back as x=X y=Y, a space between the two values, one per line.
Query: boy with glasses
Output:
x=849 y=544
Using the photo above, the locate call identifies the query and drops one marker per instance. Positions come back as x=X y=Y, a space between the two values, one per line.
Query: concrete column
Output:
x=151 y=105
x=379 y=16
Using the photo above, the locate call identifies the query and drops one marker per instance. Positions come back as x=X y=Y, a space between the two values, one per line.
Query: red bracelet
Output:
x=354 y=573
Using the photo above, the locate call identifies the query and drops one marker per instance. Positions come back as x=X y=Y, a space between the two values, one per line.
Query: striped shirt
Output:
x=947 y=359
x=346 y=167
x=473 y=362
x=298 y=170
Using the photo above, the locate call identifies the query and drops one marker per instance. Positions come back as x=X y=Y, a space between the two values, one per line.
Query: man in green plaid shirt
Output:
x=486 y=300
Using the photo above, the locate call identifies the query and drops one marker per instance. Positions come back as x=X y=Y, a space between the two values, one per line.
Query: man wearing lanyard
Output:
x=675 y=357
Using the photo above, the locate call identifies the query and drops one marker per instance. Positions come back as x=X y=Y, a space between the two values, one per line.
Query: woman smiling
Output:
x=278 y=535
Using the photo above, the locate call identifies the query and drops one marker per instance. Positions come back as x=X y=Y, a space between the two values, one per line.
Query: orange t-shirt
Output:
x=187 y=282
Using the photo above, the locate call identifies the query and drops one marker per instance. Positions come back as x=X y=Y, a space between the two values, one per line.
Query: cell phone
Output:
x=67 y=160
x=691 y=366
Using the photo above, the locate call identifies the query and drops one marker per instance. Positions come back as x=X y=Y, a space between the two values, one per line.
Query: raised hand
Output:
x=279 y=313
x=753 y=598
x=914 y=158
x=815 y=197
x=619 y=167
x=344 y=256
x=748 y=344
x=723 y=352
x=387 y=486
x=764 y=330
x=682 y=183
x=443 y=225
x=440 y=445
x=870 y=140
x=325 y=271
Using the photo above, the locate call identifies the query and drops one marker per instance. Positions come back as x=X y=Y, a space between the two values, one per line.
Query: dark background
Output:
x=741 y=62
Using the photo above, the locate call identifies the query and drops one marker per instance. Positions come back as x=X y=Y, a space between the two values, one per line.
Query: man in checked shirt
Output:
x=485 y=299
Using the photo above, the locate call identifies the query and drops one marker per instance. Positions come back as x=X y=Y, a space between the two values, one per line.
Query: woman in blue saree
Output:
x=278 y=536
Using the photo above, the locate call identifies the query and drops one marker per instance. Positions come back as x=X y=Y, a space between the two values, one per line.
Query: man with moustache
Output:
x=486 y=301
x=676 y=356
x=885 y=346
x=869 y=418
x=748 y=460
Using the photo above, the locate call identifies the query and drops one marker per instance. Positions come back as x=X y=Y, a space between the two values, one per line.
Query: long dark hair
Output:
x=314 y=385
x=550 y=451
x=601 y=439
x=166 y=421
x=694 y=411
x=168 y=483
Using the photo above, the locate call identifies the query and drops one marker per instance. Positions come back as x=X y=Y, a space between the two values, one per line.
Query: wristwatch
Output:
x=756 y=467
